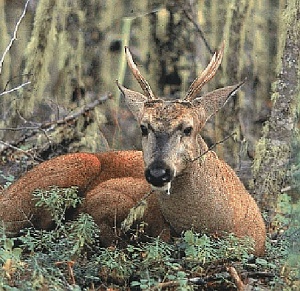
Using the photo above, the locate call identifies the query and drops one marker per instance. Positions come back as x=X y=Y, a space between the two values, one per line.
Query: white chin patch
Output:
x=166 y=188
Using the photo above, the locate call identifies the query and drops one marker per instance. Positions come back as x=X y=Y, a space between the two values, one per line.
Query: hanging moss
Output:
x=37 y=56
x=164 y=44
x=11 y=75
x=217 y=23
x=235 y=21
x=55 y=59
x=172 y=41
x=54 y=54
x=261 y=55
x=233 y=31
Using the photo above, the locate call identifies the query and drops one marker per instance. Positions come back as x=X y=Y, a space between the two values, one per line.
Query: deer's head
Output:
x=170 y=129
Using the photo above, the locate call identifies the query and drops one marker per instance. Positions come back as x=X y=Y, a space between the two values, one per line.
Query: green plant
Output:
x=292 y=263
x=10 y=259
x=282 y=218
x=46 y=258
x=156 y=260
x=283 y=252
x=57 y=200
x=204 y=249
x=7 y=178
x=70 y=258
x=199 y=248
x=156 y=263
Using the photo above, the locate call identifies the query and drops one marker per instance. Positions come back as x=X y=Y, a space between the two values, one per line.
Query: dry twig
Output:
x=14 y=35
x=237 y=280
x=15 y=89
x=9 y=47
x=70 y=265
x=45 y=127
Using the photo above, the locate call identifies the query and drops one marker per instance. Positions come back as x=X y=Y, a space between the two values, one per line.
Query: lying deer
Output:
x=193 y=188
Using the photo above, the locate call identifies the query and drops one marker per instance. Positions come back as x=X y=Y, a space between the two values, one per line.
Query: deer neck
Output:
x=190 y=194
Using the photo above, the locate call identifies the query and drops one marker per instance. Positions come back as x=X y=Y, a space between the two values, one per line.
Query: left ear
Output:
x=213 y=101
x=134 y=100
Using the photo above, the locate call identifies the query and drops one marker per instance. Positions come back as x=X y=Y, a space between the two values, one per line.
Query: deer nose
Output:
x=158 y=175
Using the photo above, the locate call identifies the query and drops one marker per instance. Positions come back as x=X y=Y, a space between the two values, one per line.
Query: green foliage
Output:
x=156 y=263
x=292 y=265
x=8 y=179
x=69 y=257
x=282 y=218
x=43 y=257
x=10 y=258
x=65 y=242
x=206 y=250
x=57 y=201
x=286 y=253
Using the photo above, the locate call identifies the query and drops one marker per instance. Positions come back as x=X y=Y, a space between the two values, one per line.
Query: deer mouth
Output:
x=159 y=175
x=166 y=188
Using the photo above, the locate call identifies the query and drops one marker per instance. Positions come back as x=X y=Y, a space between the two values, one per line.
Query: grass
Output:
x=69 y=257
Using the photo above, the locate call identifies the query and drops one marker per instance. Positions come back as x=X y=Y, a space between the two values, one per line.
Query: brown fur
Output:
x=212 y=199
x=109 y=194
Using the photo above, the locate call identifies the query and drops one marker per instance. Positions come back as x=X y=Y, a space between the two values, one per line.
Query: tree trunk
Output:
x=273 y=151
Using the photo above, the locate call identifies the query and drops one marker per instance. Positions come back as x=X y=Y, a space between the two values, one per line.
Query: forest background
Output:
x=58 y=91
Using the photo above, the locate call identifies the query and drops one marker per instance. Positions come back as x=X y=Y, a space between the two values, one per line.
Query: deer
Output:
x=190 y=186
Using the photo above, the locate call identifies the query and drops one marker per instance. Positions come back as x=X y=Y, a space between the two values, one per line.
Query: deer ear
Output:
x=213 y=101
x=134 y=100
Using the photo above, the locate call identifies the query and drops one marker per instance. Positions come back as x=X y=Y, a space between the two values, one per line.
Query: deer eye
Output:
x=144 y=130
x=187 y=131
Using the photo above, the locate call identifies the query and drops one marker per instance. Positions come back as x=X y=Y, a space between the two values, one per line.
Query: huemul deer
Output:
x=193 y=188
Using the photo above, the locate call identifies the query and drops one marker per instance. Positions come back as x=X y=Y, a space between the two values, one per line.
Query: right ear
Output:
x=134 y=100
x=213 y=101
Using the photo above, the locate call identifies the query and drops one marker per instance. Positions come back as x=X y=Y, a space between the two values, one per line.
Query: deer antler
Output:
x=206 y=75
x=137 y=74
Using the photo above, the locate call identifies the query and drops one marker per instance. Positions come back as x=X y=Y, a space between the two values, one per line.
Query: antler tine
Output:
x=206 y=75
x=139 y=77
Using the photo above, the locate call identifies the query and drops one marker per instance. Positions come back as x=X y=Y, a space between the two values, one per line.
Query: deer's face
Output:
x=169 y=139
x=170 y=128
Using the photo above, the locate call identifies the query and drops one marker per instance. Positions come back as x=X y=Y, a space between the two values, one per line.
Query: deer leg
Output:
x=110 y=202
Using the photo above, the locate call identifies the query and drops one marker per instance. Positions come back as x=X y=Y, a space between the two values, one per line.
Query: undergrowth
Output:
x=7 y=178
x=289 y=220
x=69 y=257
